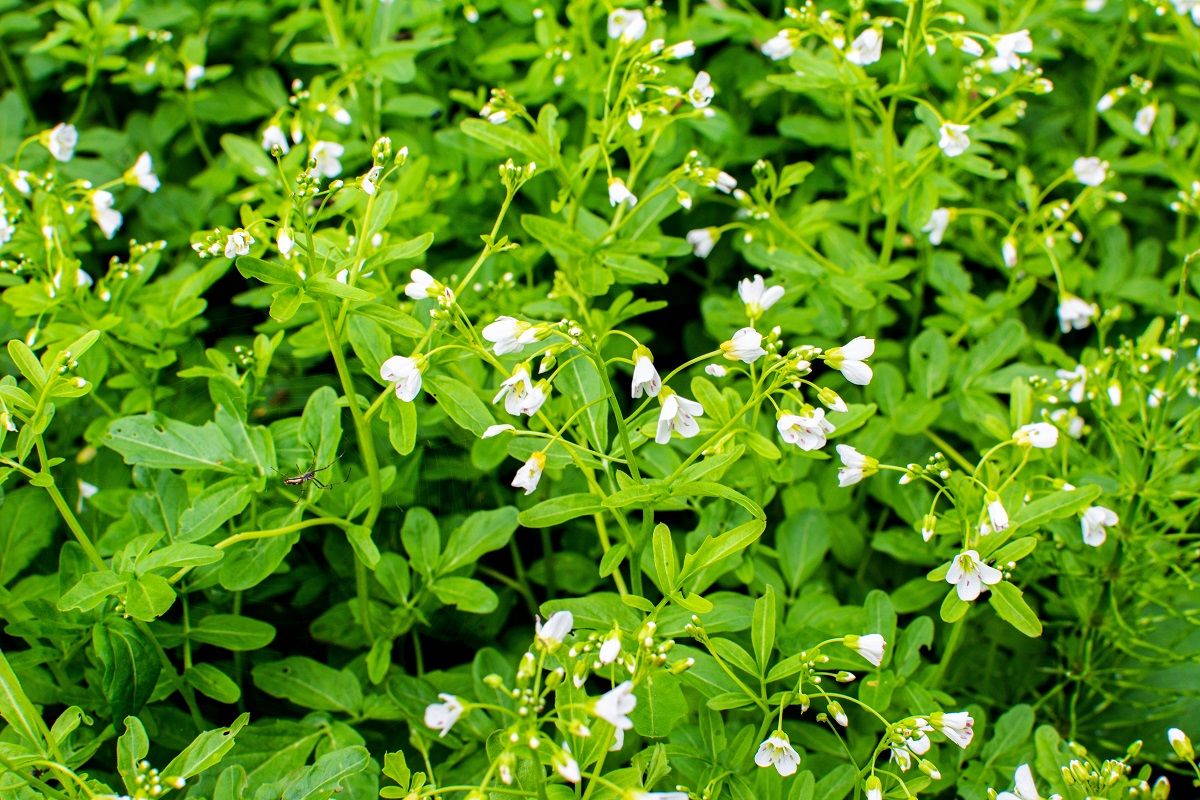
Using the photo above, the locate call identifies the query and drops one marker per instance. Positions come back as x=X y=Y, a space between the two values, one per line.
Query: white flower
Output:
x=635 y=119
x=1181 y=744
x=520 y=395
x=873 y=787
x=969 y=46
x=193 y=76
x=20 y=180
x=566 y=765
x=870 y=647
x=1074 y=382
x=1024 y=788
x=1089 y=170
x=957 y=727
x=702 y=240
x=626 y=24
x=1114 y=392
x=326 y=155
x=496 y=430
x=645 y=376
x=954 y=141
x=701 y=94
x=405 y=373
x=724 y=182
x=1143 y=121
x=866 y=48
x=684 y=49
x=969 y=575
x=850 y=359
x=442 y=716
x=618 y=739
x=778 y=752
x=619 y=193
x=61 y=141
x=779 y=46
x=744 y=346
x=1107 y=100
x=757 y=296
x=716 y=370
x=996 y=513
x=86 y=490
x=1008 y=50
x=143 y=173
x=1094 y=6
x=238 y=243
x=614 y=706
x=610 y=648
x=832 y=400
x=677 y=414
x=939 y=220
x=555 y=630
x=807 y=431
x=1075 y=313
x=107 y=217
x=422 y=285
x=1042 y=435
x=855 y=465
x=527 y=476
x=1095 y=522
x=509 y=335
x=370 y=181
x=1008 y=251
x=272 y=137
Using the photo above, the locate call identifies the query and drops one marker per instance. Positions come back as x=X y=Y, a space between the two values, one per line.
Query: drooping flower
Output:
x=645 y=376
x=956 y=726
x=405 y=373
x=1075 y=313
x=1090 y=170
x=809 y=431
x=142 y=173
x=779 y=46
x=193 y=76
x=107 y=217
x=1042 y=435
x=530 y=473
x=855 y=466
x=677 y=414
x=873 y=788
x=954 y=140
x=850 y=359
x=936 y=227
x=285 y=243
x=496 y=430
x=969 y=46
x=1143 y=121
x=634 y=118
x=626 y=24
x=757 y=296
x=1024 y=787
x=745 y=345
x=839 y=714
x=610 y=648
x=327 y=156
x=509 y=335
x=777 y=752
x=442 y=716
x=566 y=765
x=614 y=706
x=832 y=400
x=1008 y=252
x=1074 y=382
x=703 y=240
x=1009 y=48
x=870 y=646
x=555 y=630
x=996 y=513
x=274 y=137
x=866 y=48
x=716 y=370
x=1095 y=522
x=238 y=243
x=1181 y=744
x=61 y=141
x=684 y=49
x=619 y=193
x=701 y=94
x=970 y=575
x=422 y=285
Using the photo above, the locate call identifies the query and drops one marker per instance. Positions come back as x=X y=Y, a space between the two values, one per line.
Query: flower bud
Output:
x=1181 y=744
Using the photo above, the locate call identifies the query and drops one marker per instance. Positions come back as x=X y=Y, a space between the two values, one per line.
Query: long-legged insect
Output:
x=311 y=474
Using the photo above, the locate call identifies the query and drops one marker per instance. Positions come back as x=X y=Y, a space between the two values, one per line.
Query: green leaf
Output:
x=460 y=403
x=19 y=712
x=584 y=386
x=148 y=597
x=27 y=521
x=666 y=565
x=953 y=607
x=323 y=779
x=232 y=632
x=1010 y=605
x=762 y=627
x=422 y=539
x=132 y=747
x=1055 y=506
x=269 y=273
x=929 y=362
x=216 y=504
x=90 y=591
x=27 y=363
x=558 y=510
x=506 y=139
x=310 y=684
x=1010 y=732
x=212 y=682
x=130 y=666
x=715 y=549
x=714 y=489
x=364 y=546
x=205 y=750
x=482 y=532
x=563 y=241
x=179 y=554
x=152 y=440
x=803 y=541
x=661 y=705
x=467 y=594
x=325 y=286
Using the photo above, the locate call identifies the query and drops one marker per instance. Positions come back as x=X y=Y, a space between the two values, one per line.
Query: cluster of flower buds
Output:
x=513 y=176
x=501 y=107
x=149 y=784
x=221 y=242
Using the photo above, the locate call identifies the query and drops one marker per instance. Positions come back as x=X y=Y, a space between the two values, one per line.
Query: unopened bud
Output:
x=1181 y=744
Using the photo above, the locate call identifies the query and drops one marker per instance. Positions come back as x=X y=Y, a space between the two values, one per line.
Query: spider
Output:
x=311 y=474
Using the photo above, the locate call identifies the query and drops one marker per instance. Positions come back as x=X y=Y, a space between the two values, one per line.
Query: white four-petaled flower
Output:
x=957 y=726
x=326 y=156
x=509 y=335
x=1075 y=313
x=779 y=46
x=954 y=140
x=557 y=626
x=870 y=646
x=274 y=137
x=855 y=465
x=1009 y=48
x=626 y=24
x=809 y=431
x=866 y=48
x=677 y=414
x=1095 y=522
x=61 y=141
x=850 y=359
x=778 y=752
x=970 y=575
x=405 y=373
x=1042 y=435
x=614 y=706
x=701 y=94
x=939 y=221
x=1090 y=170
x=442 y=716
x=757 y=296
x=702 y=240
x=530 y=473
x=238 y=243
x=520 y=395
x=143 y=175
x=745 y=345
x=645 y=376
x=619 y=193
x=1023 y=788
x=107 y=217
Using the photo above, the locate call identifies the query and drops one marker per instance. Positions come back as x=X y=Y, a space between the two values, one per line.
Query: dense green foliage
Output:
x=426 y=399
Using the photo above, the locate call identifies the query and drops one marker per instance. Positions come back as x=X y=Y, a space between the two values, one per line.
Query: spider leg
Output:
x=330 y=464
